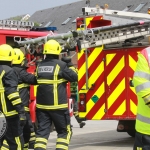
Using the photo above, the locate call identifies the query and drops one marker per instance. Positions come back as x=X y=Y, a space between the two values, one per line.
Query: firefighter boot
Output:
x=82 y=124
x=79 y=120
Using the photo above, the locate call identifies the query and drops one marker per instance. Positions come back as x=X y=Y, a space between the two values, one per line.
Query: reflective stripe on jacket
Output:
x=52 y=77
x=141 y=81
x=24 y=79
x=10 y=102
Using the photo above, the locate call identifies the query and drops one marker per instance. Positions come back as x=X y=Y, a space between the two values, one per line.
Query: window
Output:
x=48 y=24
x=127 y=8
x=139 y=7
x=66 y=21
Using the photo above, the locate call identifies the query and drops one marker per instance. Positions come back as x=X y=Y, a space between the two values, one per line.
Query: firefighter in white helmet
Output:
x=52 y=106
x=10 y=101
x=141 y=82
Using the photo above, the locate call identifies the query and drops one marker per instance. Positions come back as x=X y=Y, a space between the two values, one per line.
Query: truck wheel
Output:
x=131 y=133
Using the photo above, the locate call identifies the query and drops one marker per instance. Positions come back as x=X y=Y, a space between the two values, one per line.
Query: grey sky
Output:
x=12 y=8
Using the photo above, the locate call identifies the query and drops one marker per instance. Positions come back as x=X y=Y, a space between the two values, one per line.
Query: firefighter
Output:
x=10 y=101
x=52 y=106
x=74 y=95
x=25 y=79
x=141 y=81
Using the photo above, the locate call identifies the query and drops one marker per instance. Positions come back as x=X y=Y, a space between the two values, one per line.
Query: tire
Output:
x=131 y=133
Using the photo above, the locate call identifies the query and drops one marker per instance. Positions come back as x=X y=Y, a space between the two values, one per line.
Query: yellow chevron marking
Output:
x=119 y=89
x=98 y=71
x=90 y=60
x=113 y=74
x=100 y=113
x=133 y=107
x=121 y=109
x=100 y=90
x=109 y=58
x=81 y=53
x=132 y=63
x=99 y=93
x=89 y=105
x=88 y=20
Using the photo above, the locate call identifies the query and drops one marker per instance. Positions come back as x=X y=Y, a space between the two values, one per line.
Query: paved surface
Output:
x=96 y=135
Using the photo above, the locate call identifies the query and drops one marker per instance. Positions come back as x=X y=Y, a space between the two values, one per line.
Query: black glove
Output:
x=22 y=118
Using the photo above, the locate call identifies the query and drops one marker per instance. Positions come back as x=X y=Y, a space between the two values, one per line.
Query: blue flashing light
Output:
x=44 y=29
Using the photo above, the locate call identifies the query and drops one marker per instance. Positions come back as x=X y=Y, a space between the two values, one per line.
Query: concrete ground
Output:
x=96 y=135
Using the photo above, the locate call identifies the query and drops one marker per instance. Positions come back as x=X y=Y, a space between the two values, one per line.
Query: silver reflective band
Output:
x=142 y=86
x=143 y=118
x=142 y=75
x=46 y=69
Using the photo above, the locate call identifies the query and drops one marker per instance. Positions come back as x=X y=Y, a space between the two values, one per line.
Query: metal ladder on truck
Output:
x=95 y=36
x=100 y=35
x=16 y=25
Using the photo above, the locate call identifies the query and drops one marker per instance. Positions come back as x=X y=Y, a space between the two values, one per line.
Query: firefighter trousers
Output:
x=28 y=131
x=61 y=120
x=13 y=135
x=142 y=142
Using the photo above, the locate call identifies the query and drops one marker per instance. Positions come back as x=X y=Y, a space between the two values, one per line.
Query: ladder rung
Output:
x=16 y=24
x=111 y=36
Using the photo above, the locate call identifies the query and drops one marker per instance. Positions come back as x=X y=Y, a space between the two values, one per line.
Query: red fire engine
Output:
x=10 y=31
x=107 y=56
x=106 y=67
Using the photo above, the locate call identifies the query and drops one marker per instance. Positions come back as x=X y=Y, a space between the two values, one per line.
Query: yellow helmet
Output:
x=18 y=57
x=6 y=52
x=52 y=47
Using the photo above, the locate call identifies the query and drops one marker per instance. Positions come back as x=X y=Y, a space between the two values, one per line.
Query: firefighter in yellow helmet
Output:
x=52 y=106
x=141 y=81
x=25 y=80
x=10 y=101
